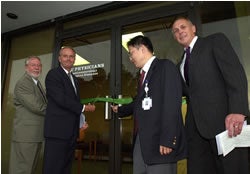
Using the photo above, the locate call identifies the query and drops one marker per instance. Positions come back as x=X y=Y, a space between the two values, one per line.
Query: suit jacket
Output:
x=162 y=124
x=217 y=84
x=30 y=111
x=64 y=108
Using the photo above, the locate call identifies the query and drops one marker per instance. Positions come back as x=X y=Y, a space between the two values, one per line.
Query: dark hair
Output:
x=141 y=40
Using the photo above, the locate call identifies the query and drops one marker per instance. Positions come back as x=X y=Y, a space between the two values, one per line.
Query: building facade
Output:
x=99 y=36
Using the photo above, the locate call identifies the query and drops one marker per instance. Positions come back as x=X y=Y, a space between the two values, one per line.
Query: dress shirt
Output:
x=184 y=59
x=35 y=80
x=146 y=67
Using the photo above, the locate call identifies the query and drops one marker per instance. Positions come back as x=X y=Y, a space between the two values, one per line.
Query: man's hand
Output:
x=234 y=123
x=85 y=126
x=114 y=108
x=89 y=108
x=165 y=150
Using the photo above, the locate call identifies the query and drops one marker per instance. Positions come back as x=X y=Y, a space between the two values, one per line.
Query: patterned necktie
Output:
x=41 y=90
x=186 y=65
x=142 y=74
x=141 y=78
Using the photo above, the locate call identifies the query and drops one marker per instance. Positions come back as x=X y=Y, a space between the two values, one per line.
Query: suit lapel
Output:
x=194 y=56
x=35 y=88
x=195 y=51
x=148 y=76
x=76 y=84
x=65 y=76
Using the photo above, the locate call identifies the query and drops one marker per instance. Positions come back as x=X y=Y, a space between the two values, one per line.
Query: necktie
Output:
x=41 y=90
x=141 y=78
x=142 y=74
x=72 y=81
x=186 y=65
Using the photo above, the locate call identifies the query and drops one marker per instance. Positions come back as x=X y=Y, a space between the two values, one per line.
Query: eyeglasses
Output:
x=132 y=51
x=130 y=54
x=34 y=65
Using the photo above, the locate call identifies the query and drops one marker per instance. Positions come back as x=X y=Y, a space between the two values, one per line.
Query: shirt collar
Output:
x=147 y=65
x=35 y=80
x=66 y=71
x=191 y=45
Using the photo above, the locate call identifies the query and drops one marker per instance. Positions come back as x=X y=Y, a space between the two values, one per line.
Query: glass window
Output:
x=92 y=68
x=232 y=19
x=38 y=43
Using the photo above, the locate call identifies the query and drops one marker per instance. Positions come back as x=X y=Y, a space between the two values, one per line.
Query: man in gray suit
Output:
x=30 y=103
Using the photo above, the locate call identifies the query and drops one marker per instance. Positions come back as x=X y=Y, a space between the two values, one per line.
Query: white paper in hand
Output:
x=82 y=120
x=226 y=144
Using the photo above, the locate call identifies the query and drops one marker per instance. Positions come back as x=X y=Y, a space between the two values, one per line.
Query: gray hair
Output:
x=66 y=47
x=31 y=57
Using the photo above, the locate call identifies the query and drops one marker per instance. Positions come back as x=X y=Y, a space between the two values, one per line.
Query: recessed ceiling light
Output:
x=12 y=15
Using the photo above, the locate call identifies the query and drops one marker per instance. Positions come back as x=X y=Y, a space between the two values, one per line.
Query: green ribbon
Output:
x=110 y=100
x=114 y=100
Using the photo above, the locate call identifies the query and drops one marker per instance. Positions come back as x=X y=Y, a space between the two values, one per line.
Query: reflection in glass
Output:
x=92 y=68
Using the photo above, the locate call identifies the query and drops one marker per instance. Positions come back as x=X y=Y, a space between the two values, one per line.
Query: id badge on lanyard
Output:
x=147 y=101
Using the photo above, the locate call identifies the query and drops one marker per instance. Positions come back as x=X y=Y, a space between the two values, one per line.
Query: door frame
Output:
x=115 y=25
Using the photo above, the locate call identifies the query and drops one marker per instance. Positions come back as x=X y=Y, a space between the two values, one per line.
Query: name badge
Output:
x=147 y=103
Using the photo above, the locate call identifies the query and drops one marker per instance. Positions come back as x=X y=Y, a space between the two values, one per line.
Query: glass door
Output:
x=92 y=68
x=106 y=146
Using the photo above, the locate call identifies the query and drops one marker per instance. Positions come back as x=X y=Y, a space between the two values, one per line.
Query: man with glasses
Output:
x=27 y=135
x=159 y=140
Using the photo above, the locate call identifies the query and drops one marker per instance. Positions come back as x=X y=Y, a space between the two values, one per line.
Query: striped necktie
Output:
x=41 y=90
x=72 y=81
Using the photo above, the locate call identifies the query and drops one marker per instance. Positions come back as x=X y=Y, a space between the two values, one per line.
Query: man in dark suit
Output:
x=63 y=115
x=159 y=140
x=27 y=135
x=217 y=99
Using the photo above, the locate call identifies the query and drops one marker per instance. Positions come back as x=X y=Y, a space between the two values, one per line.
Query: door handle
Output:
x=120 y=96
x=107 y=114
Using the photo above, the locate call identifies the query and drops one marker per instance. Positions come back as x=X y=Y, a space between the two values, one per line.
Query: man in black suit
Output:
x=63 y=115
x=217 y=99
x=159 y=140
